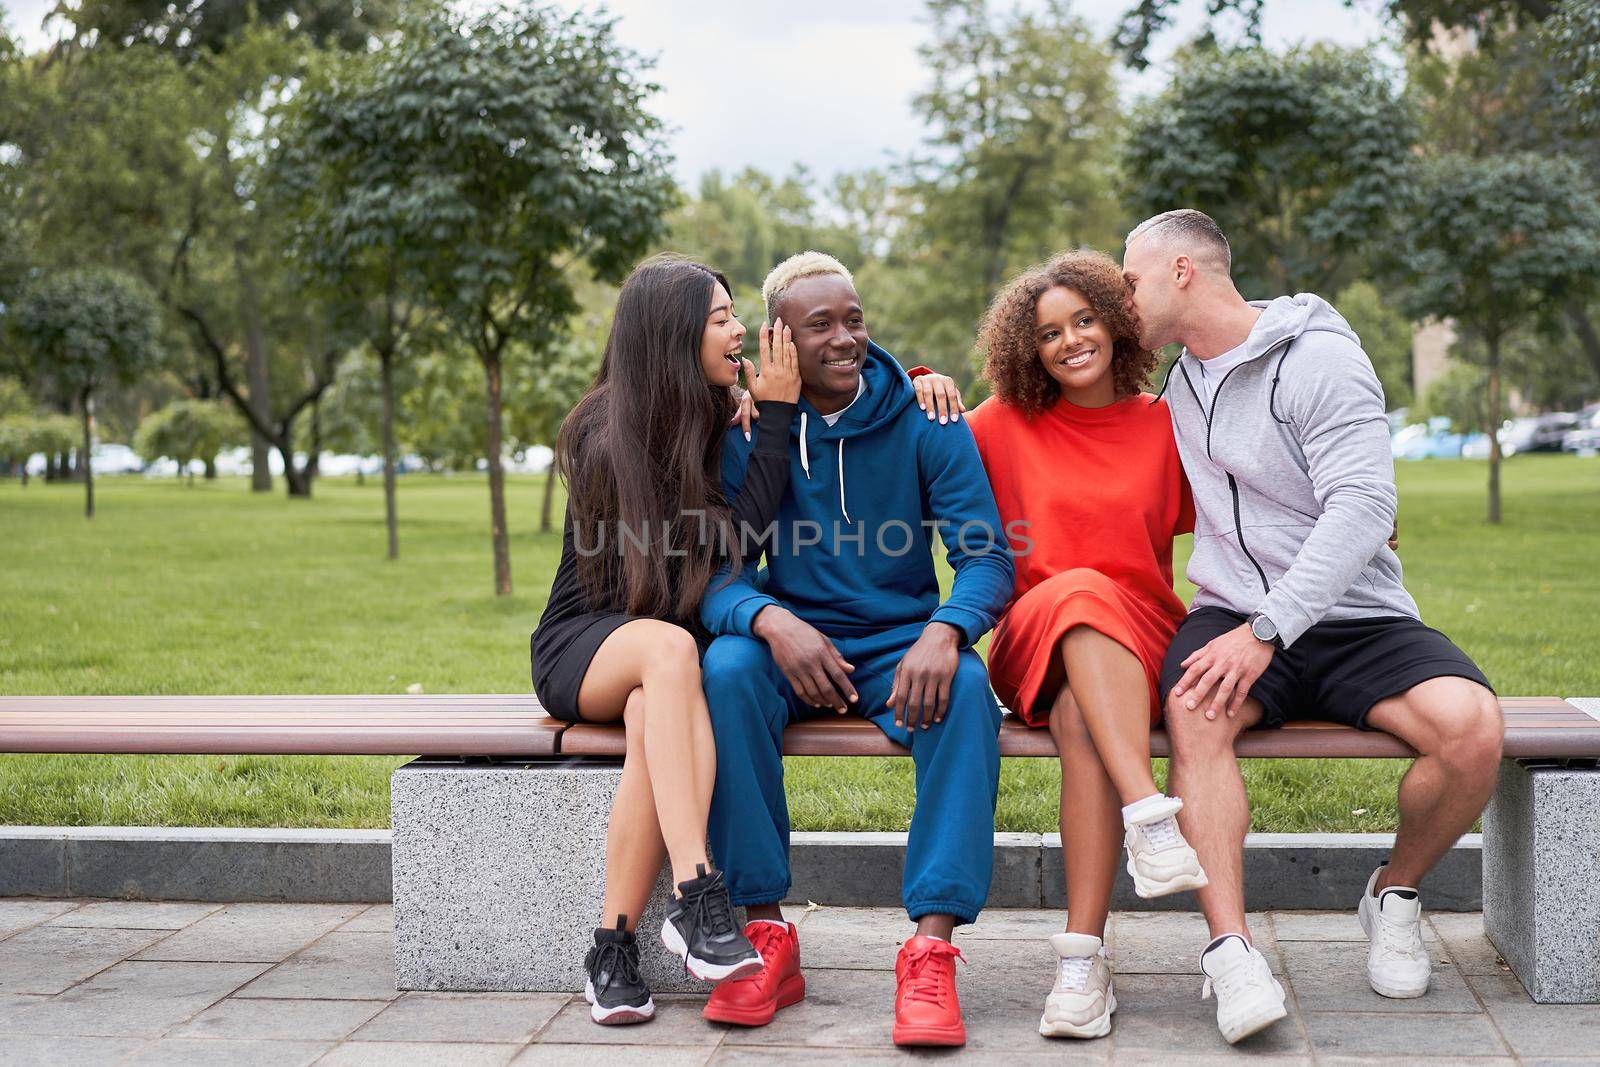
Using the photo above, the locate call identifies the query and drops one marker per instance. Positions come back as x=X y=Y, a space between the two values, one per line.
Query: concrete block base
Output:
x=498 y=876
x=1541 y=879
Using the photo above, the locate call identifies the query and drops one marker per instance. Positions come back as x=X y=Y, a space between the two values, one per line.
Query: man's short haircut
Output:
x=1187 y=227
x=806 y=264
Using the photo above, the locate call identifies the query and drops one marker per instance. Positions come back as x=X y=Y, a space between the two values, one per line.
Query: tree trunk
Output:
x=1494 y=427
x=549 y=498
x=211 y=468
x=314 y=460
x=256 y=372
x=390 y=518
x=497 y=480
x=299 y=484
x=87 y=404
x=1588 y=336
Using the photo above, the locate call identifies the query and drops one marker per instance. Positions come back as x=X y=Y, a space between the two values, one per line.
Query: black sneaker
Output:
x=701 y=931
x=615 y=991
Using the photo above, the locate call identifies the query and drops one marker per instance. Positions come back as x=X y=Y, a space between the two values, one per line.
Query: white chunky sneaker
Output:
x=1159 y=859
x=1398 y=964
x=1248 y=997
x=1081 y=1003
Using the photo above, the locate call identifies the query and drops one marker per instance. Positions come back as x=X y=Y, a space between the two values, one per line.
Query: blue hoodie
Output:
x=866 y=486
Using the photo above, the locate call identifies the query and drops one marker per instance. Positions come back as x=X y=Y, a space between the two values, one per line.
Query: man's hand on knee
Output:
x=813 y=664
x=922 y=679
x=1219 y=675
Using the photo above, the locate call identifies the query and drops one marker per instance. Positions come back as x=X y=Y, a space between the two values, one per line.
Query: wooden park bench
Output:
x=499 y=825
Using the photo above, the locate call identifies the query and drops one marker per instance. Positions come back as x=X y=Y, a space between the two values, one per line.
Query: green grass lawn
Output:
x=212 y=589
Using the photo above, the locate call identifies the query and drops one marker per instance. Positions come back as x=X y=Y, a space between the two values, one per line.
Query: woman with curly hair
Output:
x=1076 y=452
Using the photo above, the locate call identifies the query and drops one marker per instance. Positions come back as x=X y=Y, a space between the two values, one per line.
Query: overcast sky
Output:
x=736 y=79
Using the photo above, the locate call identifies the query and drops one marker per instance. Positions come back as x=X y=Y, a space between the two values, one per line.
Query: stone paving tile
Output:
x=1465 y=944
x=677 y=1022
x=543 y=1055
x=1553 y=1030
x=1236 y=1056
x=1431 y=1061
x=1406 y=1034
x=378 y=917
x=423 y=1054
x=1332 y=976
x=842 y=1009
x=1019 y=924
x=244 y=1019
x=20 y=914
x=49 y=959
x=136 y=914
x=1159 y=1013
x=1327 y=926
x=183 y=1052
x=251 y=933
x=854 y=938
x=135 y=999
x=463 y=1017
x=340 y=966
x=64 y=1051
x=1170 y=942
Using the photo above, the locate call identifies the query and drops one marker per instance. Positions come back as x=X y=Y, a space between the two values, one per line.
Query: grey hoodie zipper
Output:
x=1233 y=486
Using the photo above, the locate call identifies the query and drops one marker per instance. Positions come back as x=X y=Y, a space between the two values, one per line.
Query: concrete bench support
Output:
x=498 y=874
x=1541 y=878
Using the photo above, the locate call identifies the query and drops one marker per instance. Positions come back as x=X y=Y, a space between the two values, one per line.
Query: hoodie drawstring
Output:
x=805 y=459
x=805 y=463
x=841 y=482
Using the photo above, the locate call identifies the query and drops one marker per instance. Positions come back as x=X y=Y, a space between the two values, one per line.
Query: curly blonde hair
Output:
x=1006 y=337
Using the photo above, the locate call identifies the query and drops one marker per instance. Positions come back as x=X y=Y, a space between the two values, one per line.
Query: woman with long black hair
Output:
x=646 y=528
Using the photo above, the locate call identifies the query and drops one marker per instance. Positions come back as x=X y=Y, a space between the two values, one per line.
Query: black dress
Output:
x=573 y=627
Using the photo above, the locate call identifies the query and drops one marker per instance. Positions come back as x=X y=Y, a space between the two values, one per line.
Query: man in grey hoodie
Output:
x=1300 y=612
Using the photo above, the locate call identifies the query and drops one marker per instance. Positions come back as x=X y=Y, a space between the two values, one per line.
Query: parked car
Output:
x=115 y=459
x=1585 y=440
x=1551 y=430
x=1433 y=440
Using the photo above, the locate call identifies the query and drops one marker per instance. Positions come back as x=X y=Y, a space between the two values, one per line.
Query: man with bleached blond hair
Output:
x=847 y=620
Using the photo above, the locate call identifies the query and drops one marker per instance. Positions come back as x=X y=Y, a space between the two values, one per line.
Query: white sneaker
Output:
x=1081 y=1003
x=1159 y=859
x=1248 y=997
x=1398 y=964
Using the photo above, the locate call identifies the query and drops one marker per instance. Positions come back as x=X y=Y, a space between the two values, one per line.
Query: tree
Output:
x=339 y=172
x=1495 y=244
x=86 y=329
x=522 y=150
x=1385 y=337
x=1298 y=157
x=1419 y=19
x=22 y=435
x=185 y=431
x=193 y=29
x=1023 y=118
x=548 y=391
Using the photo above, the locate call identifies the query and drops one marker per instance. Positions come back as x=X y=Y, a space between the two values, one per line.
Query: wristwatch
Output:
x=1265 y=629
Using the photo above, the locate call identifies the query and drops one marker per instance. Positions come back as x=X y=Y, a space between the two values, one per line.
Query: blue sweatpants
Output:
x=950 y=854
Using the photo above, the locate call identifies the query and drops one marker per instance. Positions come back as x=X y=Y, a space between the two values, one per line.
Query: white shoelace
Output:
x=1074 y=973
x=1398 y=939
x=1162 y=834
x=1230 y=981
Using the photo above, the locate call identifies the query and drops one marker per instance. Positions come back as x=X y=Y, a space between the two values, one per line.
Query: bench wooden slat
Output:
x=512 y=725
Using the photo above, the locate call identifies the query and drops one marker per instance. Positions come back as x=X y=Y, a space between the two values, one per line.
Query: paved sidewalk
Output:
x=102 y=982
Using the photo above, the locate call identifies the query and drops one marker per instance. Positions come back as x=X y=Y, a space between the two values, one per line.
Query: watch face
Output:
x=1263 y=628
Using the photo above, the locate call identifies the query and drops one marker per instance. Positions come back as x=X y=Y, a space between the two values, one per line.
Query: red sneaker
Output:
x=926 y=1011
x=755 y=999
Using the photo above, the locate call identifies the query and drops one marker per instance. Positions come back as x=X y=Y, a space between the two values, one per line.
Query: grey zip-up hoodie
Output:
x=1292 y=474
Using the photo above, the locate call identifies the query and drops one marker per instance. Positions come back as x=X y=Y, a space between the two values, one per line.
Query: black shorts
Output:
x=1336 y=671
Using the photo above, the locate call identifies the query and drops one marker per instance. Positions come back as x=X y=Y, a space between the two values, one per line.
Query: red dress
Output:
x=1100 y=493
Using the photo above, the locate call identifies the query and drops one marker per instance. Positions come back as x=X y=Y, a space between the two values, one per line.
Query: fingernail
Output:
x=930 y=414
x=957 y=416
x=1189 y=704
x=747 y=435
x=943 y=420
